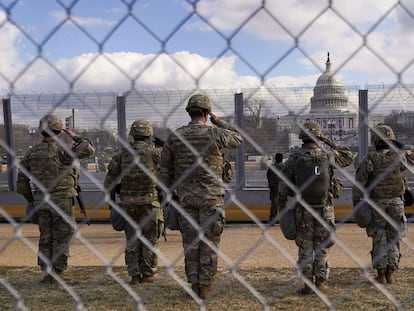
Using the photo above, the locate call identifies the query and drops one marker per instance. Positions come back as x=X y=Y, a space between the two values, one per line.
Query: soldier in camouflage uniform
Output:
x=192 y=166
x=139 y=198
x=380 y=175
x=48 y=178
x=313 y=237
x=273 y=182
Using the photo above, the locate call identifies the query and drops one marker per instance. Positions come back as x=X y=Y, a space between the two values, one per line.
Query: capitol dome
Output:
x=329 y=93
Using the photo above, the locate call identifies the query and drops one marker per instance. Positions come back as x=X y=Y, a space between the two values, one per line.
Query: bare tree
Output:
x=254 y=110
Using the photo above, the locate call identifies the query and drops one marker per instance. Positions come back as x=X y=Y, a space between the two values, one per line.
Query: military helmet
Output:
x=362 y=213
x=288 y=223
x=198 y=101
x=141 y=128
x=382 y=132
x=310 y=127
x=51 y=123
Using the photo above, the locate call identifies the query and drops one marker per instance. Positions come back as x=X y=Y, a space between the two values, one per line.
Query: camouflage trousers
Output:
x=201 y=260
x=139 y=257
x=386 y=236
x=55 y=233
x=314 y=239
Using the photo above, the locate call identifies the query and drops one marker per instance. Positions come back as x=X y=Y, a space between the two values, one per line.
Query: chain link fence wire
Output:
x=98 y=115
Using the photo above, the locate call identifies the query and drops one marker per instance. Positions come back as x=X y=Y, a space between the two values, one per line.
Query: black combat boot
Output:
x=306 y=290
x=134 y=280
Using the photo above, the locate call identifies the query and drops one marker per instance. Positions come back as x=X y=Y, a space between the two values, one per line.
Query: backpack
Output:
x=138 y=183
x=313 y=176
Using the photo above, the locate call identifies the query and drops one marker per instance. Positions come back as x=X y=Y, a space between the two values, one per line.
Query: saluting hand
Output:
x=214 y=118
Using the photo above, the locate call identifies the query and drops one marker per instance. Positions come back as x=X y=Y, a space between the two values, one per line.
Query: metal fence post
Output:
x=239 y=120
x=8 y=128
x=363 y=125
x=121 y=118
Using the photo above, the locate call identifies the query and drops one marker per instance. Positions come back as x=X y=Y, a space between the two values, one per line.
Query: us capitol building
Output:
x=328 y=107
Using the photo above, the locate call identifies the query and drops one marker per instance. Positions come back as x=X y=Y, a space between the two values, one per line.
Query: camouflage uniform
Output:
x=313 y=238
x=139 y=198
x=273 y=182
x=54 y=174
x=199 y=186
x=380 y=173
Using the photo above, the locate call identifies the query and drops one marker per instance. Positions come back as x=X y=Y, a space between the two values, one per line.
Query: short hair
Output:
x=197 y=112
x=50 y=133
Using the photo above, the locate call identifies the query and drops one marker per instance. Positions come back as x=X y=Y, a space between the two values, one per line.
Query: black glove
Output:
x=158 y=141
x=117 y=188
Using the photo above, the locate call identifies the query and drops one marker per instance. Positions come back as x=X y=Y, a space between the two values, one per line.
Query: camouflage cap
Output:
x=141 y=128
x=310 y=127
x=382 y=132
x=50 y=122
x=198 y=101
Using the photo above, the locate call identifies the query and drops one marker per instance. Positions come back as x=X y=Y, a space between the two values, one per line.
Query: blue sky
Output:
x=114 y=45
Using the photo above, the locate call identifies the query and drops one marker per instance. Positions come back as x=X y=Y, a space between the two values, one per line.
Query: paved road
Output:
x=245 y=245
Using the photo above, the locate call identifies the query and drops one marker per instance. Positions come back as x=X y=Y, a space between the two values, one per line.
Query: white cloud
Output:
x=8 y=38
x=295 y=15
x=121 y=71
x=340 y=29
x=60 y=16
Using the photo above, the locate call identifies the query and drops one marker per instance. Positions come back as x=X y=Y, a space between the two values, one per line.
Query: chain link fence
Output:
x=269 y=120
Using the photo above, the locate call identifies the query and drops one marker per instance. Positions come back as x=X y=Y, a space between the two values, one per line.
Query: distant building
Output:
x=406 y=119
x=329 y=107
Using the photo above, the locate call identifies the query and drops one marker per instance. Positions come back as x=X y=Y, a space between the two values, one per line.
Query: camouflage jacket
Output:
x=138 y=184
x=342 y=156
x=380 y=174
x=48 y=166
x=192 y=162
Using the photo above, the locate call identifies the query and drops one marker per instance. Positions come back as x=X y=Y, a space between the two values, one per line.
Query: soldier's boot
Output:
x=306 y=290
x=381 y=278
x=196 y=289
x=205 y=291
x=47 y=279
x=321 y=285
x=148 y=279
x=390 y=275
x=134 y=280
x=65 y=276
